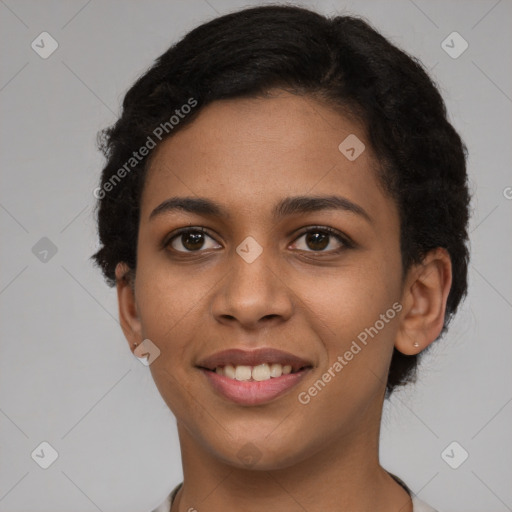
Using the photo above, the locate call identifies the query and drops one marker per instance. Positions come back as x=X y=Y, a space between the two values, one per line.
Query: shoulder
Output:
x=166 y=505
x=420 y=506
x=417 y=504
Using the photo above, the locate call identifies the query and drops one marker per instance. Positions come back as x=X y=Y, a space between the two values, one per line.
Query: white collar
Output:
x=417 y=504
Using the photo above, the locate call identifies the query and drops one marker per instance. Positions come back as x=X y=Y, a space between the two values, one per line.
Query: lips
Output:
x=243 y=390
x=239 y=357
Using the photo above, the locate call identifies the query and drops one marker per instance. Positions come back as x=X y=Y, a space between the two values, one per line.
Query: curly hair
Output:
x=341 y=60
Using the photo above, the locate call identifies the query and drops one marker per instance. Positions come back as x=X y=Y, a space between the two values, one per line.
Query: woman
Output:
x=283 y=212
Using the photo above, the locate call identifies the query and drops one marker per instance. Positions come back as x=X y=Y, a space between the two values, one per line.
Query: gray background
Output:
x=67 y=376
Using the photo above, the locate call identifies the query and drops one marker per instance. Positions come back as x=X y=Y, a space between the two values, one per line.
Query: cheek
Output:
x=356 y=322
x=167 y=304
x=170 y=311
x=347 y=300
x=355 y=314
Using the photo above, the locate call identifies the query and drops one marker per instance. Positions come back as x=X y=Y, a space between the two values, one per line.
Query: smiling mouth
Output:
x=253 y=377
x=253 y=392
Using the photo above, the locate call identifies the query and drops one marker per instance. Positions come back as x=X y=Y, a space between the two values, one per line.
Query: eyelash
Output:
x=346 y=242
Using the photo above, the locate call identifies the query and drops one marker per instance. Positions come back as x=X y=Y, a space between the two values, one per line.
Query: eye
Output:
x=191 y=239
x=318 y=238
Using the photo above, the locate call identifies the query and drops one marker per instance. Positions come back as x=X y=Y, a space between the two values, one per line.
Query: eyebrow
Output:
x=286 y=207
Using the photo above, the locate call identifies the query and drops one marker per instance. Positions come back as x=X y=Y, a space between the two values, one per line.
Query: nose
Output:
x=253 y=295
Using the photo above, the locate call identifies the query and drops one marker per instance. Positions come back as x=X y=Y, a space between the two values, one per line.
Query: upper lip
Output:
x=256 y=357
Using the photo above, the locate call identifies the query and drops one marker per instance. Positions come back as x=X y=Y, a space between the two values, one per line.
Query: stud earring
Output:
x=415 y=344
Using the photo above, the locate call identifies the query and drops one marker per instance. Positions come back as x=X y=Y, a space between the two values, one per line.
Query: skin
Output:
x=248 y=154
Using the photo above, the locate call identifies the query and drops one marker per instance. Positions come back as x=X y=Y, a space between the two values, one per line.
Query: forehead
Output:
x=249 y=153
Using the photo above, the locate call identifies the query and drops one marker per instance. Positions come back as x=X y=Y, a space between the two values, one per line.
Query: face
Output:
x=320 y=280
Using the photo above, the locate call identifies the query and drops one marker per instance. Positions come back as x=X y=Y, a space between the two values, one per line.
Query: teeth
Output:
x=276 y=370
x=242 y=372
x=261 y=372
x=257 y=373
x=229 y=371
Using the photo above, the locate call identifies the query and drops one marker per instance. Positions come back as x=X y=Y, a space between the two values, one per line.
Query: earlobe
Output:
x=128 y=314
x=424 y=298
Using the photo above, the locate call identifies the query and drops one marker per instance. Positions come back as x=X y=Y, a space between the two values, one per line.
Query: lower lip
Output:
x=253 y=392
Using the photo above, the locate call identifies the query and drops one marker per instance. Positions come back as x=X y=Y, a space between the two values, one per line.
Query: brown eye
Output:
x=318 y=239
x=191 y=240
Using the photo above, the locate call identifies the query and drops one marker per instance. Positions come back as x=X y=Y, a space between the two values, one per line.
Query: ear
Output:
x=424 y=297
x=128 y=314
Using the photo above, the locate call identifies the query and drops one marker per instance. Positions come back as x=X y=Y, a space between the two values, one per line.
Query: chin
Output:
x=259 y=453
